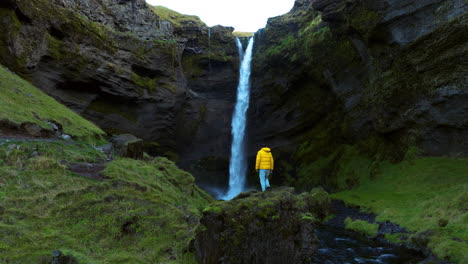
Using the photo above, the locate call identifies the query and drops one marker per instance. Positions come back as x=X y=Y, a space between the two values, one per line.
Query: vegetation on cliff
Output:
x=177 y=19
x=420 y=194
x=22 y=103
x=136 y=212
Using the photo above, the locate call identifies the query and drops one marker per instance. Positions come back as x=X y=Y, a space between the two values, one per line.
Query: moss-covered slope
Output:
x=22 y=106
x=426 y=195
x=137 y=212
x=128 y=67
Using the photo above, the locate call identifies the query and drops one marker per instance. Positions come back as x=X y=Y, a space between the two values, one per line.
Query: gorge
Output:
x=361 y=101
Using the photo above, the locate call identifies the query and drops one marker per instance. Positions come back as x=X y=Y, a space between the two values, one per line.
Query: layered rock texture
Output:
x=129 y=67
x=341 y=85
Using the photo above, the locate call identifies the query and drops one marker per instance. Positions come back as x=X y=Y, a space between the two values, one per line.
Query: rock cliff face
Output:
x=166 y=78
x=338 y=85
x=272 y=227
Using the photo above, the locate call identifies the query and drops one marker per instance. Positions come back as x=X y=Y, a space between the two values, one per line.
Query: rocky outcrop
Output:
x=337 y=84
x=271 y=227
x=124 y=67
x=128 y=146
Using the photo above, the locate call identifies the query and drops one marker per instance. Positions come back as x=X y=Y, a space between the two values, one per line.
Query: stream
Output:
x=339 y=246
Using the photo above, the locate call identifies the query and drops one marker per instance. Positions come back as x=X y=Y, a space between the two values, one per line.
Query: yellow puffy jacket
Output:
x=264 y=160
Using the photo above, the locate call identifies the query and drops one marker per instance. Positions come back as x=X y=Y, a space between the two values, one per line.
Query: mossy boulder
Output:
x=275 y=226
x=320 y=203
x=141 y=212
x=128 y=146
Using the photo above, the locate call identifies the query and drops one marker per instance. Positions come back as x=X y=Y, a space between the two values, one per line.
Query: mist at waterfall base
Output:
x=238 y=163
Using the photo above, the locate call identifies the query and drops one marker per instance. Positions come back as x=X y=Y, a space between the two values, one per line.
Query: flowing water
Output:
x=238 y=165
x=339 y=246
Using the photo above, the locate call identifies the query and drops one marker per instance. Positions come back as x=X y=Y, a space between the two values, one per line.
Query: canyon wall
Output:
x=339 y=86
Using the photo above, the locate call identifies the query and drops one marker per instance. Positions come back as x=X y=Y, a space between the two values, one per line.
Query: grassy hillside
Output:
x=421 y=194
x=22 y=102
x=177 y=19
x=241 y=34
x=144 y=212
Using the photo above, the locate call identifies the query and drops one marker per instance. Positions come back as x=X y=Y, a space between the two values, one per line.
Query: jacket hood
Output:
x=266 y=149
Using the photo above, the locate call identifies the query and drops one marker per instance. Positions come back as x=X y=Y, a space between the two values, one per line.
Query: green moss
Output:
x=364 y=21
x=240 y=34
x=145 y=82
x=105 y=107
x=21 y=102
x=363 y=227
x=178 y=20
x=417 y=194
x=10 y=27
x=396 y=238
x=136 y=216
x=309 y=217
x=213 y=210
x=49 y=152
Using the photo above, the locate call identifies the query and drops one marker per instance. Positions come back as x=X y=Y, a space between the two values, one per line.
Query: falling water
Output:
x=238 y=166
x=209 y=53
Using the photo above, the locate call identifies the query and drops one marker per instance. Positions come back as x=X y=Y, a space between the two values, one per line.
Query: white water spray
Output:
x=237 y=165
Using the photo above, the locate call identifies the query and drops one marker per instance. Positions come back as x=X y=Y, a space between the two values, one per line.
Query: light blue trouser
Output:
x=264 y=179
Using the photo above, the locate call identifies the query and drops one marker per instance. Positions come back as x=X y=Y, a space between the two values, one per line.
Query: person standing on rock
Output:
x=264 y=165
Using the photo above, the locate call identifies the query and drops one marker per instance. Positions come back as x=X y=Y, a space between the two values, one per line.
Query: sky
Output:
x=243 y=15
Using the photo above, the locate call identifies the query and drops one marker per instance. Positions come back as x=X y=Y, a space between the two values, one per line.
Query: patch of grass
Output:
x=144 y=82
x=421 y=194
x=241 y=34
x=177 y=19
x=363 y=227
x=146 y=212
x=36 y=154
x=22 y=102
x=44 y=163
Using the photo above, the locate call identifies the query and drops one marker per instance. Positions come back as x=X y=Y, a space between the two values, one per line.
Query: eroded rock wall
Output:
x=340 y=85
x=125 y=68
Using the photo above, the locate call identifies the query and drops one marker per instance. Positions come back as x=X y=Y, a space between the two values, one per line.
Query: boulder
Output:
x=320 y=203
x=267 y=227
x=127 y=145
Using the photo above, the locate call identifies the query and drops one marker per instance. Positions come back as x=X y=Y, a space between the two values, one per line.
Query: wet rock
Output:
x=127 y=145
x=106 y=150
x=263 y=227
x=66 y=137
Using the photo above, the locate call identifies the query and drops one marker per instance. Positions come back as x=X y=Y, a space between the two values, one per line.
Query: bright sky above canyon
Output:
x=243 y=15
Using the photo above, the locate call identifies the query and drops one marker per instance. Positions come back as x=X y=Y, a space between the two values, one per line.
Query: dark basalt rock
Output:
x=270 y=227
x=120 y=65
x=128 y=146
x=335 y=73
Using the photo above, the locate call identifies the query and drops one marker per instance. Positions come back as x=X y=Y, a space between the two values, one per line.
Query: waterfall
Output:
x=209 y=53
x=237 y=165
